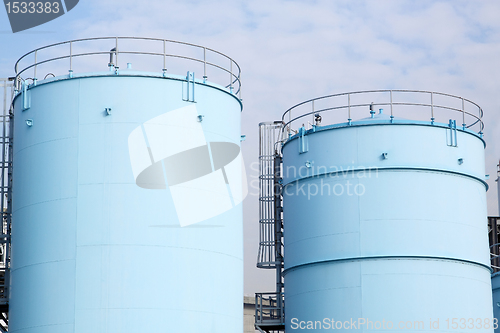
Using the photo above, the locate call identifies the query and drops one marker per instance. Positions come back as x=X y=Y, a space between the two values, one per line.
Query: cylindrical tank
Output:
x=495 y=287
x=385 y=227
x=494 y=249
x=127 y=196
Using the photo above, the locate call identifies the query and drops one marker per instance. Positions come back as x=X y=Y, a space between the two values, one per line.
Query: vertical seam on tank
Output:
x=359 y=231
x=77 y=190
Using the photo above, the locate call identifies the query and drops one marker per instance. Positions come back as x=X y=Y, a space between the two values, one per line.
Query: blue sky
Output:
x=290 y=51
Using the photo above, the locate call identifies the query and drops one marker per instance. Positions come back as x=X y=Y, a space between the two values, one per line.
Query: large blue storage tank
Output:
x=127 y=205
x=385 y=222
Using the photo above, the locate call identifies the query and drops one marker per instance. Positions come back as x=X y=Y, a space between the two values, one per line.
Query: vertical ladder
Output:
x=6 y=197
x=493 y=235
x=269 y=307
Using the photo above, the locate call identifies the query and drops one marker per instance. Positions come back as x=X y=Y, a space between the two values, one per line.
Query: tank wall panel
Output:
x=389 y=290
x=121 y=248
x=400 y=213
x=341 y=150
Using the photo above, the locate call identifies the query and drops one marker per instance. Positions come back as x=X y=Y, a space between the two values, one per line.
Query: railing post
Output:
x=256 y=308
x=205 y=65
x=239 y=84
x=432 y=108
x=481 y=125
x=260 y=307
x=71 y=59
x=164 y=69
x=231 y=75
x=349 y=119
x=392 y=112
x=289 y=123
x=34 y=74
x=116 y=52
x=463 y=114
x=312 y=112
x=71 y=55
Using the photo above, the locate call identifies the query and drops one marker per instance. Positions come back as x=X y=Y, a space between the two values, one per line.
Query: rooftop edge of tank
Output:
x=127 y=73
x=380 y=122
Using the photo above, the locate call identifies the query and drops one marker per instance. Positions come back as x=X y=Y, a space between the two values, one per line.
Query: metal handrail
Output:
x=234 y=76
x=496 y=244
x=477 y=119
x=268 y=310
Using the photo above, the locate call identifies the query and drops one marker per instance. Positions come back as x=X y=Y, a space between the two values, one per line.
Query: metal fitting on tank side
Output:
x=107 y=111
x=460 y=161
x=70 y=75
x=29 y=122
x=384 y=156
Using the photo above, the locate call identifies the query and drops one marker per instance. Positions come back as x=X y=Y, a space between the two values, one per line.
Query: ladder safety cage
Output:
x=269 y=307
x=268 y=151
x=494 y=240
x=8 y=92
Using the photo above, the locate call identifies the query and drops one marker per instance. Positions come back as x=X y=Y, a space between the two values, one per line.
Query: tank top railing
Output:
x=31 y=61
x=313 y=111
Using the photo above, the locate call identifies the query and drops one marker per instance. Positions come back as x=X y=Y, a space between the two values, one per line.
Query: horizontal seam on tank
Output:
x=320 y=236
x=162 y=246
x=401 y=168
x=319 y=290
x=411 y=257
x=357 y=232
x=42 y=263
x=427 y=274
x=42 y=202
x=43 y=142
x=430 y=220
x=385 y=274
x=108 y=183
x=159 y=308
x=31 y=327
x=409 y=123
